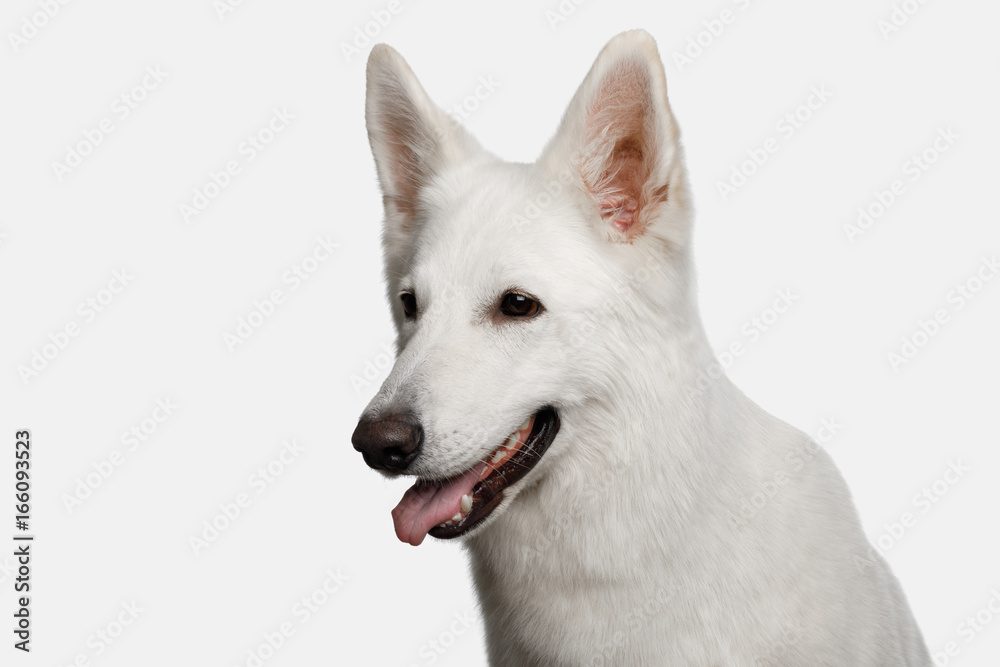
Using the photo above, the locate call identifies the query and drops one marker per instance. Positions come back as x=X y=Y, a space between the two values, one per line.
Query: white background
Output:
x=162 y=336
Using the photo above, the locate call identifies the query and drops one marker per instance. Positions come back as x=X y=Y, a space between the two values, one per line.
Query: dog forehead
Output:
x=499 y=205
x=503 y=225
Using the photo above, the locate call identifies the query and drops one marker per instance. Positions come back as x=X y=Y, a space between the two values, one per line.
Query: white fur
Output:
x=624 y=545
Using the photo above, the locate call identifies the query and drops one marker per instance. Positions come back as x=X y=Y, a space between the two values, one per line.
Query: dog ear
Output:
x=620 y=137
x=412 y=139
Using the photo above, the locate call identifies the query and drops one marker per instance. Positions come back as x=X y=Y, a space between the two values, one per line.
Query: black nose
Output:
x=390 y=442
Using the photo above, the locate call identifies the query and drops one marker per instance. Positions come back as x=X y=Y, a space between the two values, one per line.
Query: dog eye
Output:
x=409 y=305
x=518 y=305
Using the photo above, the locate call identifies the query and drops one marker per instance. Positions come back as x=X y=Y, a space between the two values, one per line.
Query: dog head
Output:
x=517 y=290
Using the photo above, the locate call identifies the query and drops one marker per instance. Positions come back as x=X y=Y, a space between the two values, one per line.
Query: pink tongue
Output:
x=426 y=504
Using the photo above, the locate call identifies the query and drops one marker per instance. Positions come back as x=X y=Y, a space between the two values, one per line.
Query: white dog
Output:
x=558 y=402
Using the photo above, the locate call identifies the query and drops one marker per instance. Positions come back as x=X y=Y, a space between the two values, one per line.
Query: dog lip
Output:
x=487 y=494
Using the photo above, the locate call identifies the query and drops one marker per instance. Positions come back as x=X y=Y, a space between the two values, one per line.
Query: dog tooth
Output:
x=466 y=503
x=526 y=424
x=512 y=441
x=498 y=455
x=457 y=517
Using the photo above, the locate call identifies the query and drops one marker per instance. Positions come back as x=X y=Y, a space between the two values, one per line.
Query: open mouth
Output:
x=451 y=507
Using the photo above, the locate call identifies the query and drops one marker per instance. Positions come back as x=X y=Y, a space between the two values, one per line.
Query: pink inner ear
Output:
x=619 y=212
x=621 y=149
